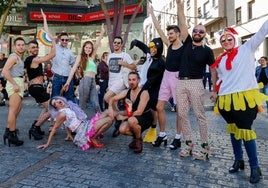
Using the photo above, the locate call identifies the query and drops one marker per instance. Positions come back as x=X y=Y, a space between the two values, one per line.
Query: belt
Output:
x=184 y=78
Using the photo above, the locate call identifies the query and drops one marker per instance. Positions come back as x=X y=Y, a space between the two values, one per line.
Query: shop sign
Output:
x=16 y=20
x=73 y=17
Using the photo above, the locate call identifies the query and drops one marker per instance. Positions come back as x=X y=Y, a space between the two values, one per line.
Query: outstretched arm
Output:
x=97 y=44
x=60 y=119
x=52 y=53
x=71 y=74
x=140 y=45
x=157 y=26
x=182 y=25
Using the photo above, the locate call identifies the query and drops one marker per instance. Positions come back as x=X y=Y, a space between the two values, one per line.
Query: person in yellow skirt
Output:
x=238 y=97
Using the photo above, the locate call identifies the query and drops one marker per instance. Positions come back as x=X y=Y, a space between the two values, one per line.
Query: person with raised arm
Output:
x=34 y=67
x=168 y=84
x=87 y=86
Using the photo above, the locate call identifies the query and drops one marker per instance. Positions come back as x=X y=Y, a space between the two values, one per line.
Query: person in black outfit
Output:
x=152 y=73
x=137 y=117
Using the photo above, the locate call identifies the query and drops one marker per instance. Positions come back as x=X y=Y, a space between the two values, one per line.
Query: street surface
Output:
x=65 y=165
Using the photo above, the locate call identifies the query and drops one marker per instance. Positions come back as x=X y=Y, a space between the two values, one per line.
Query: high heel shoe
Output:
x=38 y=128
x=175 y=144
x=238 y=164
x=96 y=144
x=187 y=151
x=33 y=132
x=204 y=153
x=5 y=136
x=13 y=139
x=159 y=141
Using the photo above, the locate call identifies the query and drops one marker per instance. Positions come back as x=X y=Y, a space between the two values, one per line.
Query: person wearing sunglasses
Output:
x=117 y=61
x=61 y=67
x=190 y=90
x=238 y=90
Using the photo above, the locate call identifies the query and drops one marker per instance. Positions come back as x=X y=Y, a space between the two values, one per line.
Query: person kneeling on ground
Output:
x=74 y=118
x=138 y=116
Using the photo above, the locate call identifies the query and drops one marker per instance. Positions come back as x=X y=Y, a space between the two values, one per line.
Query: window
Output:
x=238 y=15
x=214 y=3
x=199 y=14
x=206 y=9
x=250 y=12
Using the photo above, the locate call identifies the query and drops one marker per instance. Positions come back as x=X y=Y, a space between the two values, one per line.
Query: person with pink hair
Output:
x=237 y=95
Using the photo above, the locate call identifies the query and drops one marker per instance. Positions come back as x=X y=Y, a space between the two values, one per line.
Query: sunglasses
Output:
x=64 y=40
x=228 y=39
x=198 y=31
x=117 y=42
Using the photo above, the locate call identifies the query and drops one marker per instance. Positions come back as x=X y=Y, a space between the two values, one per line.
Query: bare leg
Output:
x=14 y=110
x=161 y=115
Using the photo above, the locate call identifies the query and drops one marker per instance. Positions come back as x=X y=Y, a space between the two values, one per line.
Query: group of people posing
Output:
x=235 y=90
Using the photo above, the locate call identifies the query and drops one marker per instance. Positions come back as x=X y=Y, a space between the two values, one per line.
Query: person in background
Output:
x=13 y=71
x=238 y=96
x=3 y=60
x=262 y=76
x=207 y=78
x=87 y=85
x=48 y=71
x=103 y=77
x=61 y=67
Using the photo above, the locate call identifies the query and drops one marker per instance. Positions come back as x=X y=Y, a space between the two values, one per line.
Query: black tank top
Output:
x=137 y=101
x=173 y=59
x=33 y=72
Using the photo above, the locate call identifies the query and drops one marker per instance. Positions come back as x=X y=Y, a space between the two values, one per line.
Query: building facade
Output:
x=81 y=20
x=246 y=16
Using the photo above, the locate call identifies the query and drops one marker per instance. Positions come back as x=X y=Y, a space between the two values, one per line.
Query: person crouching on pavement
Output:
x=75 y=119
x=138 y=116
x=239 y=99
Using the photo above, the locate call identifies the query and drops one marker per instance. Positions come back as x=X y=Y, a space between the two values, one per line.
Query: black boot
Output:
x=255 y=175
x=38 y=128
x=33 y=132
x=238 y=164
x=13 y=139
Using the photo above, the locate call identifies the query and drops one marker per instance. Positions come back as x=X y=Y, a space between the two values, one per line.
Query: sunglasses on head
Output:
x=64 y=40
x=228 y=39
x=198 y=31
x=117 y=42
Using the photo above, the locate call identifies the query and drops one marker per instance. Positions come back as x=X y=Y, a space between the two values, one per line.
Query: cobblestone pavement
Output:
x=65 y=165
